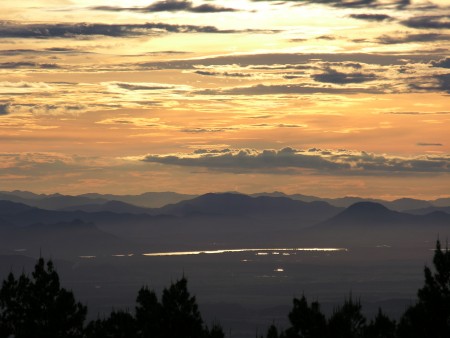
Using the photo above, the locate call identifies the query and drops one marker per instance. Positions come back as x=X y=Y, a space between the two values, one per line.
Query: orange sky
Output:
x=326 y=98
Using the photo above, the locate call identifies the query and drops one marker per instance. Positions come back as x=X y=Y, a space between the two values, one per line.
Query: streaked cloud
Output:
x=281 y=89
x=170 y=6
x=409 y=38
x=428 y=22
x=4 y=109
x=443 y=63
x=333 y=76
x=74 y=30
x=428 y=144
x=372 y=17
x=340 y=161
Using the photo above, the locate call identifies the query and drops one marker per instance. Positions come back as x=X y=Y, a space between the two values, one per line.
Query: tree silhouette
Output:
x=177 y=315
x=181 y=317
x=381 y=327
x=120 y=324
x=148 y=314
x=347 y=321
x=216 y=331
x=307 y=321
x=39 y=307
x=430 y=316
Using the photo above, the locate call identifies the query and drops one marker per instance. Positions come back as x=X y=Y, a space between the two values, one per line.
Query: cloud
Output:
x=46 y=109
x=276 y=61
x=443 y=63
x=290 y=160
x=263 y=89
x=408 y=38
x=4 y=109
x=443 y=82
x=45 y=51
x=130 y=86
x=425 y=144
x=246 y=159
x=419 y=113
x=399 y=4
x=140 y=122
x=428 y=22
x=333 y=76
x=17 y=65
x=69 y=30
x=207 y=130
x=372 y=17
x=225 y=74
x=169 y=6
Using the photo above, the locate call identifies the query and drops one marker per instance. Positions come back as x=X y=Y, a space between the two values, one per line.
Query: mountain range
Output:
x=224 y=220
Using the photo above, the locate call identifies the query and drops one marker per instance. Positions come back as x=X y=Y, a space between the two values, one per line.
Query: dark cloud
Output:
x=276 y=161
x=407 y=38
x=4 y=109
x=206 y=130
x=353 y=3
x=247 y=159
x=443 y=63
x=371 y=17
x=326 y=37
x=294 y=89
x=434 y=83
x=130 y=86
x=169 y=6
x=226 y=74
x=206 y=73
x=333 y=76
x=53 y=50
x=419 y=113
x=354 y=65
x=288 y=60
x=424 y=144
x=67 y=30
x=428 y=22
x=16 y=65
x=443 y=82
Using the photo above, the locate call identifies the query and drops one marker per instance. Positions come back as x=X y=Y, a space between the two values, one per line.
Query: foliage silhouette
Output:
x=177 y=315
x=307 y=321
x=148 y=314
x=120 y=324
x=39 y=307
x=181 y=317
x=347 y=321
x=430 y=316
x=381 y=327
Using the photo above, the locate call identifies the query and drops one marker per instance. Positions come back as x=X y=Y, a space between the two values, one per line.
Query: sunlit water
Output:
x=261 y=252
x=257 y=251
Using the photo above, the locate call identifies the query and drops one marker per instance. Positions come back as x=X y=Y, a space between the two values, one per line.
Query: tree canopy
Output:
x=37 y=306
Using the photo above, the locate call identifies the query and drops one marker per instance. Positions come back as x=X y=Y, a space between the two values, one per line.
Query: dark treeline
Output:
x=38 y=307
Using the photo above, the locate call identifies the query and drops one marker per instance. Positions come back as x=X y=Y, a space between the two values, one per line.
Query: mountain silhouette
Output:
x=64 y=238
x=232 y=204
x=366 y=213
x=111 y=206
x=12 y=208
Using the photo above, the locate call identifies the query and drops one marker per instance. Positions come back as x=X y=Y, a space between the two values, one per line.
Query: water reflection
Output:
x=259 y=252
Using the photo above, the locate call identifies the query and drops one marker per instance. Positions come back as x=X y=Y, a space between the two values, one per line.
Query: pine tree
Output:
x=430 y=316
x=347 y=321
x=307 y=321
x=39 y=307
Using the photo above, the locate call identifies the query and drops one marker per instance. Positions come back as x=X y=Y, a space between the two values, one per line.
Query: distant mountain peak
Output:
x=369 y=207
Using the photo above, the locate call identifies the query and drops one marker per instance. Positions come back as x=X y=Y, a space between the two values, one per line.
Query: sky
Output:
x=318 y=97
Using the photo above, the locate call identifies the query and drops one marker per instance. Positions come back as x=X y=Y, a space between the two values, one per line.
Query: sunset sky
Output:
x=319 y=97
